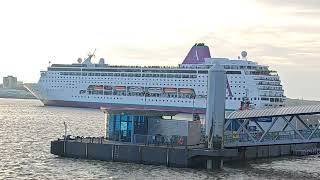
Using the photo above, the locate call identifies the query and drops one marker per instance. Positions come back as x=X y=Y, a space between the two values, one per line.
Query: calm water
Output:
x=27 y=127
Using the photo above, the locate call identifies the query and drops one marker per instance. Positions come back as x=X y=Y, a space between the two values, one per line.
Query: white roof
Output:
x=282 y=111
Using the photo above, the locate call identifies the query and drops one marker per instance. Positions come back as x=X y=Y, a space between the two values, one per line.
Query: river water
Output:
x=27 y=127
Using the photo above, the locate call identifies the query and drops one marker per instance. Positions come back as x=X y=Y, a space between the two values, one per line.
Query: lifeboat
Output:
x=107 y=88
x=91 y=87
x=170 y=90
x=186 y=90
x=120 y=88
x=98 y=88
x=136 y=89
x=155 y=90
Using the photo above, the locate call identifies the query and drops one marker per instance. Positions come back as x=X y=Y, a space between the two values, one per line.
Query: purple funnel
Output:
x=197 y=54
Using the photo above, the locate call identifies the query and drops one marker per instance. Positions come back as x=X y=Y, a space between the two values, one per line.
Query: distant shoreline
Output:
x=12 y=97
x=16 y=94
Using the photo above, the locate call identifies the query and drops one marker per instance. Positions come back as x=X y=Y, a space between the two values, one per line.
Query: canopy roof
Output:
x=274 y=112
x=138 y=111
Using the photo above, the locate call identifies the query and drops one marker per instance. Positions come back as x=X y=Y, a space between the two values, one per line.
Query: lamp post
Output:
x=65 y=137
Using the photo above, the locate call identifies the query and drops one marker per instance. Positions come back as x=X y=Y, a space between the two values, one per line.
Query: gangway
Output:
x=279 y=128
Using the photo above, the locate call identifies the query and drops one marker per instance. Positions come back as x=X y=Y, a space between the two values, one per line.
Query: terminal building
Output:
x=151 y=127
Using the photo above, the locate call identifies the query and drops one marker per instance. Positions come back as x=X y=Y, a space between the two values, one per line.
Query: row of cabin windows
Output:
x=235 y=77
x=184 y=80
x=273 y=105
x=117 y=79
x=272 y=99
x=255 y=98
x=237 y=93
x=129 y=75
x=96 y=97
x=244 y=67
x=237 y=86
x=267 y=78
x=144 y=79
x=235 y=98
x=71 y=87
x=270 y=88
x=163 y=95
x=154 y=100
x=115 y=70
x=139 y=74
x=155 y=84
x=237 y=82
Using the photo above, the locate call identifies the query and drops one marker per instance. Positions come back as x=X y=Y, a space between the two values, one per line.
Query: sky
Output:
x=282 y=34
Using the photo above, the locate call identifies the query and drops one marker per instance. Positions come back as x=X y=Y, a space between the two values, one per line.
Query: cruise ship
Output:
x=181 y=88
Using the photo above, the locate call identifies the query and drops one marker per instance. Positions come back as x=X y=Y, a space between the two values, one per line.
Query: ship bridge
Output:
x=285 y=125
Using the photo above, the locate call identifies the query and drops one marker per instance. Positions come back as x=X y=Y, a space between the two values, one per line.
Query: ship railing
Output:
x=268 y=79
x=272 y=96
x=271 y=88
x=268 y=84
x=158 y=67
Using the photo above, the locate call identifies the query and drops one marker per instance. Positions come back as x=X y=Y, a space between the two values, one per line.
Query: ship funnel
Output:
x=197 y=54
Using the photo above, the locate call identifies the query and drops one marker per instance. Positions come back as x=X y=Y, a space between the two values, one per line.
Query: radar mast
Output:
x=88 y=59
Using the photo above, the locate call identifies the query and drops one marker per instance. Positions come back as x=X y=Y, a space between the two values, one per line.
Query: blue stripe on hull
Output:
x=97 y=105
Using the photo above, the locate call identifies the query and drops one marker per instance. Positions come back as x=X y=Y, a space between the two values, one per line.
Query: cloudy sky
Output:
x=282 y=34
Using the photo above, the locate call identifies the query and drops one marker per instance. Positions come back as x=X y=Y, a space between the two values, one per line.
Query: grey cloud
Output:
x=151 y=54
x=298 y=8
x=299 y=4
x=289 y=45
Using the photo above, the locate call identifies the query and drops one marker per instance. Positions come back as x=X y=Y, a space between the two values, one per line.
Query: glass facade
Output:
x=122 y=127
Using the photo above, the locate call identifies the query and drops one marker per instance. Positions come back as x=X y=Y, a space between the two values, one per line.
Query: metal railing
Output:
x=98 y=140
x=156 y=140
x=256 y=136
x=160 y=140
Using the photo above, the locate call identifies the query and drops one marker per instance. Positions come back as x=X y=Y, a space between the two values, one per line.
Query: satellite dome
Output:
x=244 y=54
x=101 y=61
x=79 y=60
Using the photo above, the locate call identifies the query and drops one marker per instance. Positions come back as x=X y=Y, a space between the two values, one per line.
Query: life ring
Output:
x=180 y=141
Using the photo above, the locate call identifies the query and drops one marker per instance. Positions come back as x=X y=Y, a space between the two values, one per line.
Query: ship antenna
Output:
x=93 y=54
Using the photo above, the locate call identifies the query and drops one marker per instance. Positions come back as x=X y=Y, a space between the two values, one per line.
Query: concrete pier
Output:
x=179 y=156
x=271 y=151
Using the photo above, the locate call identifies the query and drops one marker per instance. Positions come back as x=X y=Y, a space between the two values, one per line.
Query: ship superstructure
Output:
x=182 y=88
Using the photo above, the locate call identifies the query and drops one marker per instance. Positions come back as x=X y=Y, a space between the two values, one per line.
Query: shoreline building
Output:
x=10 y=82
